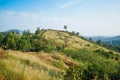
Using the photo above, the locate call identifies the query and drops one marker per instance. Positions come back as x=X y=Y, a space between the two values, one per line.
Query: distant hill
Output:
x=115 y=40
x=14 y=30
x=103 y=38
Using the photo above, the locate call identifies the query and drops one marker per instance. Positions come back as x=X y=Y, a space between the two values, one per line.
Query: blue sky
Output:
x=88 y=17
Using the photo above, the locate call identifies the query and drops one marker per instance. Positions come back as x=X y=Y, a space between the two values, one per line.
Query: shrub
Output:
x=58 y=64
x=74 y=73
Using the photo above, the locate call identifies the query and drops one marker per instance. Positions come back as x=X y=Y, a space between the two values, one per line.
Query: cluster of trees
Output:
x=26 y=41
x=113 y=45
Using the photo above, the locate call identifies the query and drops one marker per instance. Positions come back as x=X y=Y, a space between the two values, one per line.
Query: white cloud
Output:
x=24 y=20
x=68 y=4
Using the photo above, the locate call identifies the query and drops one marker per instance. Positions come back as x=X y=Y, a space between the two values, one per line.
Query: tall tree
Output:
x=37 y=31
x=24 y=44
x=26 y=33
x=10 y=40
x=65 y=27
x=1 y=39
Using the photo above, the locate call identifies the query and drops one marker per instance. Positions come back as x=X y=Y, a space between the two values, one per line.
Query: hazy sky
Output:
x=89 y=17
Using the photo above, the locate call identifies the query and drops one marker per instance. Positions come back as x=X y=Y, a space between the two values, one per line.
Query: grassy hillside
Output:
x=17 y=65
x=73 y=41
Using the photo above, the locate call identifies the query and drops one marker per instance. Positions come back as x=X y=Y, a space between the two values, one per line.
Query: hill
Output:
x=16 y=65
x=13 y=30
x=70 y=41
x=56 y=52
x=115 y=40
x=109 y=42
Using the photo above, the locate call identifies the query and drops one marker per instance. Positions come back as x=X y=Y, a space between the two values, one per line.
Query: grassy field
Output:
x=74 y=42
x=15 y=65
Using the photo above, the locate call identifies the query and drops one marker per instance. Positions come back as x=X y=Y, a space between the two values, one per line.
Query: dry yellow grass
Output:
x=1 y=52
x=74 y=42
x=35 y=66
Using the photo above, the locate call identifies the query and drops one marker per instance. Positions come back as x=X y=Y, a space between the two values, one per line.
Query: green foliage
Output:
x=1 y=39
x=24 y=44
x=60 y=48
x=96 y=72
x=108 y=55
x=58 y=64
x=10 y=40
x=112 y=47
x=74 y=73
x=49 y=46
x=82 y=55
x=92 y=72
x=26 y=33
x=37 y=31
x=99 y=42
x=100 y=65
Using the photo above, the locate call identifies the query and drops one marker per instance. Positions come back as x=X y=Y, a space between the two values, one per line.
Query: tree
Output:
x=90 y=39
x=99 y=42
x=37 y=31
x=50 y=46
x=38 y=41
x=65 y=27
x=9 y=40
x=26 y=33
x=77 y=33
x=1 y=39
x=24 y=44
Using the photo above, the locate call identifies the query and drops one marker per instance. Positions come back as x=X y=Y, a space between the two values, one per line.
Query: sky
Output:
x=88 y=17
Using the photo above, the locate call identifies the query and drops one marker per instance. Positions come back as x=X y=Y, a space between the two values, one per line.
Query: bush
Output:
x=74 y=73
x=58 y=64
x=96 y=72
x=93 y=72
x=107 y=55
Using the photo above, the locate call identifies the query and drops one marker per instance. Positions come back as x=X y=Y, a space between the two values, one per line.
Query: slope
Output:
x=70 y=41
x=16 y=65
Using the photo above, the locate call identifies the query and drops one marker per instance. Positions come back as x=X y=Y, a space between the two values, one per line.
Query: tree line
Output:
x=26 y=41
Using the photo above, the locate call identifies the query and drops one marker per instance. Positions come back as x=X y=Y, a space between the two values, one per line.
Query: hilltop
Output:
x=55 y=55
x=73 y=41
